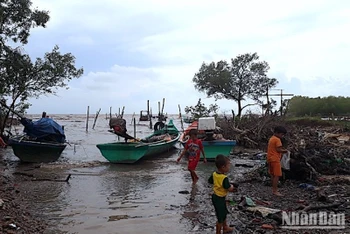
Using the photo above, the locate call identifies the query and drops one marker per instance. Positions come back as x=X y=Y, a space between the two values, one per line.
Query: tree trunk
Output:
x=2 y=125
x=5 y=118
x=239 y=109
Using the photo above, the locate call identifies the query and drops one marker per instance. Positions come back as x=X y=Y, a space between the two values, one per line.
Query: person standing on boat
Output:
x=275 y=150
x=193 y=149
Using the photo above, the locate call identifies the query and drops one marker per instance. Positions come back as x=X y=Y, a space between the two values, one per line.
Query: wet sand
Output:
x=144 y=198
x=141 y=198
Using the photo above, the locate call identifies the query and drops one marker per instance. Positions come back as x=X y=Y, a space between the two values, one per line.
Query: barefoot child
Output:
x=193 y=148
x=2 y=143
x=221 y=186
x=274 y=153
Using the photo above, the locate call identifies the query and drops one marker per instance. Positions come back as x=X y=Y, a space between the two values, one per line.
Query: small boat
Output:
x=160 y=141
x=35 y=151
x=144 y=117
x=213 y=144
x=188 y=119
x=43 y=140
x=160 y=117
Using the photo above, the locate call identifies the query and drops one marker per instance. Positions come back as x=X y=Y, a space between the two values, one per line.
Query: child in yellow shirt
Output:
x=221 y=186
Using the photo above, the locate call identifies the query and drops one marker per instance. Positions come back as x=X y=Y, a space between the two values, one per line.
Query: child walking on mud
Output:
x=274 y=154
x=221 y=186
x=2 y=143
x=193 y=149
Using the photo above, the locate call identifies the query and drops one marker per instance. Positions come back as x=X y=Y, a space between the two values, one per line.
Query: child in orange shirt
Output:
x=274 y=154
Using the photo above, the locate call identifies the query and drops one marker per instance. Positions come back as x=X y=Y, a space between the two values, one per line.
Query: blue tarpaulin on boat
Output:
x=45 y=129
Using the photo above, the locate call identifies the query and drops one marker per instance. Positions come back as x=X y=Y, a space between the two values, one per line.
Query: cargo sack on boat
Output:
x=164 y=137
x=118 y=123
x=45 y=129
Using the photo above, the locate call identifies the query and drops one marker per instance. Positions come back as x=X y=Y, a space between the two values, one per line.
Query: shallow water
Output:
x=110 y=198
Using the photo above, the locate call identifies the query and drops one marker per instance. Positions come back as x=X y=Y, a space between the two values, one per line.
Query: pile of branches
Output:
x=317 y=147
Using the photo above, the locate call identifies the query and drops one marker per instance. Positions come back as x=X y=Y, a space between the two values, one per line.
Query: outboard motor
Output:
x=118 y=124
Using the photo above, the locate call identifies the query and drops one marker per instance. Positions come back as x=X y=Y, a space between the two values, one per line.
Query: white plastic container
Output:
x=206 y=123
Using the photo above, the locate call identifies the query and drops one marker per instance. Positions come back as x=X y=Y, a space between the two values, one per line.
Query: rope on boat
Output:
x=85 y=151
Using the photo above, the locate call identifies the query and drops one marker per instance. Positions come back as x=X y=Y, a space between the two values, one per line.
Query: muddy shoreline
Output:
x=201 y=213
x=17 y=213
x=18 y=216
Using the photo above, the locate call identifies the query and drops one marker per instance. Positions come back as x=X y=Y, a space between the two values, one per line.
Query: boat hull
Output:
x=36 y=152
x=128 y=153
x=215 y=147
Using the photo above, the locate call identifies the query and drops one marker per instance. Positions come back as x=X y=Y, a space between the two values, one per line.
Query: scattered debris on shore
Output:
x=16 y=214
x=253 y=208
x=317 y=147
x=319 y=180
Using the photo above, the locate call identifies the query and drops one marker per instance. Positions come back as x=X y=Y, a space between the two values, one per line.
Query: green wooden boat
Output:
x=215 y=147
x=211 y=147
x=188 y=119
x=131 y=152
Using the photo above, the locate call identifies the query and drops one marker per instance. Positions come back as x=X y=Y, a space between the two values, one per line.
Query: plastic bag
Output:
x=285 y=161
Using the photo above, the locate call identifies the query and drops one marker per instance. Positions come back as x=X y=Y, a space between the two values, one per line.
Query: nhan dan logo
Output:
x=319 y=220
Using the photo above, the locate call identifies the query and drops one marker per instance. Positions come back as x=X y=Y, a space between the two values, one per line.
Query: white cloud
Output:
x=80 y=40
x=129 y=87
x=306 y=44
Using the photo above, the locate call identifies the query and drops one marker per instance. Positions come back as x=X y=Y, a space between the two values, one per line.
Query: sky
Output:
x=136 y=50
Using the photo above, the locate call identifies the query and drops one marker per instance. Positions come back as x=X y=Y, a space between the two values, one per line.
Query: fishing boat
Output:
x=188 y=119
x=144 y=117
x=43 y=141
x=213 y=143
x=33 y=151
x=128 y=152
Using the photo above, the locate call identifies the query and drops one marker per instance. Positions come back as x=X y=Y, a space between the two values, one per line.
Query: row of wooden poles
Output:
x=121 y=114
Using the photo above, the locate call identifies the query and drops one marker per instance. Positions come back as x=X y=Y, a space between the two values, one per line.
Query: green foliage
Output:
x=200 y=110
x=21 y=77
x=327 y=106
x=17 y=18
x=317 y=121
x=246 y=77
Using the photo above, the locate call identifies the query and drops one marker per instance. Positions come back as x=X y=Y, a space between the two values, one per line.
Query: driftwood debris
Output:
x=317 y=147
x=54 y=180
x=42 y=179
x=321 y=207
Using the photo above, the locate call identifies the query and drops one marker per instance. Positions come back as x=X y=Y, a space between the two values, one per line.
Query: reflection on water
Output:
x=111 y=198
x=122 y=196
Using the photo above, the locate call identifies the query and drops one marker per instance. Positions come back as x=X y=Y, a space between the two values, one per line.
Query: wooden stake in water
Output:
x=158 y=109
x=163 y=106
x=122 y=114
x=132 y=118
x=134 y=128
x=96 y=116
x=148 y=115
x=150 y=123
x=87 y=119
x=180 y=115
